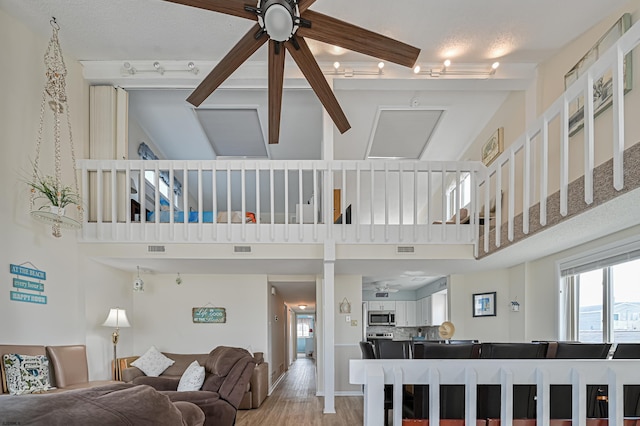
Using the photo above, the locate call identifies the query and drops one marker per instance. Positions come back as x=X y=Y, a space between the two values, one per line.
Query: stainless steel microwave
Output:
x=382 y=318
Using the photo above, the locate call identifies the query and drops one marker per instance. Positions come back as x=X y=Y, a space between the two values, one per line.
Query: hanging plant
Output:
x=50 y=187
x=57 y=194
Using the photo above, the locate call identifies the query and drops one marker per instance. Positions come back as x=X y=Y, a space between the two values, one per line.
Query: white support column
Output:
x=328 y=326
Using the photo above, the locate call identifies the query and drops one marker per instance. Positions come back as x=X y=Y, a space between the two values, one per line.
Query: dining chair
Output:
x=452 y=397
x=560 y=395
x=392 y=349
x=489 y=396
x=631 y=392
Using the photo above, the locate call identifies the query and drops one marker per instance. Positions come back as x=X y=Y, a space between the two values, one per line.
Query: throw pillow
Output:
x=153 y=362
x=192 y=378
x=26 y=373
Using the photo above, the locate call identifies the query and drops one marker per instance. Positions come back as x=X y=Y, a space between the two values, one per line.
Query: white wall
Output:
x=461 y=290
x=162 y=314
x=72 y=279
x=347 y=335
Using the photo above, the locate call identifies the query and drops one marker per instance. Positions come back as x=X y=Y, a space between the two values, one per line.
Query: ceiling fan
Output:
x=286 y=23
x=386 y=289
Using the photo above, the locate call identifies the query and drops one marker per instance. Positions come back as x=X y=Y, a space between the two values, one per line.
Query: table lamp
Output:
x=117 y=318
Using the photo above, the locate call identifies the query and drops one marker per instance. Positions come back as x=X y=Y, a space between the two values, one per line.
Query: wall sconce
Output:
x=138 y=284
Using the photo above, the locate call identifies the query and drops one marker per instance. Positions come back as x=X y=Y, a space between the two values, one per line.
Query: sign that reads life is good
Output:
x=208 y=315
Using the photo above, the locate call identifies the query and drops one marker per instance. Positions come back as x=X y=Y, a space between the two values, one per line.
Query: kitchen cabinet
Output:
x=438 y=308
x=425 y=310
x=382 y=305
x=432 y=310
x=406 y=313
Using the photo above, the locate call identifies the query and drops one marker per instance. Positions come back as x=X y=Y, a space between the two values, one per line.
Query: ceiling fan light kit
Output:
x=289 y=22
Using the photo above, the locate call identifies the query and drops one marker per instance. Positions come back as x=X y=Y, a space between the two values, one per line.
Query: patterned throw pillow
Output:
x=26 y=373
x=153 y=362
x=192 y=378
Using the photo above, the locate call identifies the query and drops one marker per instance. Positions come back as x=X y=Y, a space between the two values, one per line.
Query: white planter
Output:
x=57 y=210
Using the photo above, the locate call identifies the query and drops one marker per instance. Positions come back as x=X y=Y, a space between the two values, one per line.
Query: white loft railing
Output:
x=391 y=202
x=537 y=137
x=292 y=201
x=543 y=373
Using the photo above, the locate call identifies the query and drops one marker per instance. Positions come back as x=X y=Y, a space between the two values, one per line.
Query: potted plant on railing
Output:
x=57 y=196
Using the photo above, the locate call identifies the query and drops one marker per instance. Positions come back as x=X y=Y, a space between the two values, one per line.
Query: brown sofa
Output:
x=67 y=364
x=254 y=395
x=227 y=374
x=116 y=404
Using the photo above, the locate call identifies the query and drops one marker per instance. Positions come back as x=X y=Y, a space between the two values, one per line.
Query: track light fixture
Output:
x=338 y=69
x=157 y=67
x=446 y=71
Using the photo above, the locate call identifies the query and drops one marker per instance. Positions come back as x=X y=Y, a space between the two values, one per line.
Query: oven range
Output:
x=378 y=336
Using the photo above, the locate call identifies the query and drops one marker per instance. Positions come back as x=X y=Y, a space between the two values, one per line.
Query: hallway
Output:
x=293 y=403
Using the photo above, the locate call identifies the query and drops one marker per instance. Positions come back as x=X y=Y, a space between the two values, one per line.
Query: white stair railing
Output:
x=491 y=186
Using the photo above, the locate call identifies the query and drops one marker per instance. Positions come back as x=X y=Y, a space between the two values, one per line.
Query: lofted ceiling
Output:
x=104 y=35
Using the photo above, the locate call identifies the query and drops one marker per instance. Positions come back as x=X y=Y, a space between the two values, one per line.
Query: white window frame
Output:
x=599 y=258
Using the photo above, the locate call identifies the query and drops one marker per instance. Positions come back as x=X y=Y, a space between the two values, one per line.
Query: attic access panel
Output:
x=233 y=132
x=402 y=133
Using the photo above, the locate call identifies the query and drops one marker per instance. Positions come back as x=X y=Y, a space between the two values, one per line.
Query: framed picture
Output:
x=602 y=87
x=484 y=304
x=493 y=147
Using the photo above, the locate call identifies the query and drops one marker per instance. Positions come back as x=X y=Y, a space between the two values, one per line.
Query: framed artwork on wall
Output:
x=484 y=304
x=603 y=86
x=493 y=147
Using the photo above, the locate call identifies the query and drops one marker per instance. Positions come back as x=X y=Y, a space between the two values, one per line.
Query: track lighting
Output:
x=468 y=71
x=156 y=67
x=338 y=69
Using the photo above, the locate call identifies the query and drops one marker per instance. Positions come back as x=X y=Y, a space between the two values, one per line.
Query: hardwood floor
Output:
x=293 y=403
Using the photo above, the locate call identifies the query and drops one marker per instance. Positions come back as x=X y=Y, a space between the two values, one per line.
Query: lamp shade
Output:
x=117 y=318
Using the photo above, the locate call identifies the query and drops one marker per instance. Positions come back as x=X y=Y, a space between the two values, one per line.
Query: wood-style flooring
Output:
x=293 y=403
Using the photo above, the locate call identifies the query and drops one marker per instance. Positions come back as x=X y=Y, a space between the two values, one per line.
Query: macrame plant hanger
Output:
x=55 y=92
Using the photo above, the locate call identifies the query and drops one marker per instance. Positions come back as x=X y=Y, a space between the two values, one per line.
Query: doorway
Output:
x=305 y=342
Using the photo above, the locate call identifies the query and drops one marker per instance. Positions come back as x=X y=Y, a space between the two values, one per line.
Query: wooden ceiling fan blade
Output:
x=236 y=56
x=339 y=33
x=276 y=82
x=312 y=72
x=228 y=7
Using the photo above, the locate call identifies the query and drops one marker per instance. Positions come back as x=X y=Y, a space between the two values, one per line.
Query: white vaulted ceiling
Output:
x=519 y=34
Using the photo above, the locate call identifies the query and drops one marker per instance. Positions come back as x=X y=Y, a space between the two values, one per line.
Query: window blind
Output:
x=601 y=259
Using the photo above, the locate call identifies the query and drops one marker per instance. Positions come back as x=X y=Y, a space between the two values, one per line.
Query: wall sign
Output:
x=21 y=284
x=206 y=315
x=27 y=272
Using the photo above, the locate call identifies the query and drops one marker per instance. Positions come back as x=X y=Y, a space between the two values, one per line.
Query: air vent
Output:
x=242 y=249
x=405 y=249
x=156 y=249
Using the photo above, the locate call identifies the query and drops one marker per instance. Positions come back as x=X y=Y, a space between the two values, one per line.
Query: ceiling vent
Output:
x=242 y=249
x=156 y=249
x=405 y=250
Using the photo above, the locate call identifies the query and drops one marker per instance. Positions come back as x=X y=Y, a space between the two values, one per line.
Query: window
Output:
x=163 y=188
x=608 y=303
x=465 y=194
x=304 y=327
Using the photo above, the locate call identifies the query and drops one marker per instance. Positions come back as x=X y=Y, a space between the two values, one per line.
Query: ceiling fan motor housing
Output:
x=279 y=18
